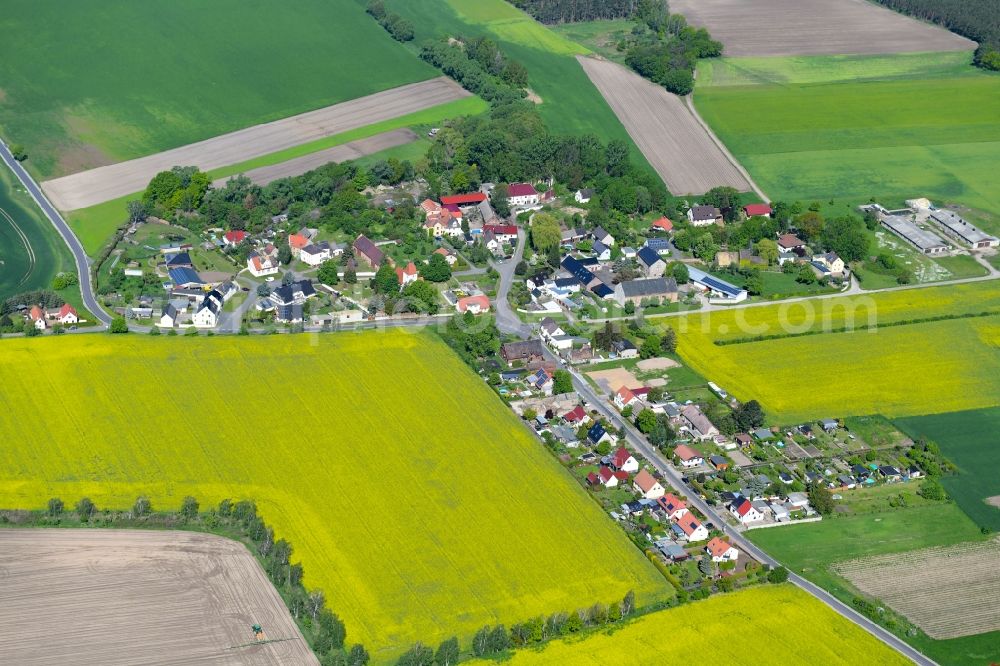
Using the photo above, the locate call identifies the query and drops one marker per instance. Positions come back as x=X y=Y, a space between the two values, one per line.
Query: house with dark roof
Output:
x=601 y=236
x=702 y=216
x=744 y=511
x=658 y=245
x=207 y=314
x=368 y=252
x=624 y=348
x=184 y=278
x=636 y=291
x=650 y=262
x=527 y=351
x=296 y=292
x=598 y=434
x=179 y=260
x=288 y=314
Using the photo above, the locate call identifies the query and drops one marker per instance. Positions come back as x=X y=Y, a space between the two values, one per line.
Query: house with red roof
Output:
x=368 y=252
x=790 y=242
x=757 y=209
x=722 y=551
x=261 y=265
x=449 y=255
x=646 y=485
x=624 y=397
x=522 y=194
x=37 y=315
x=662 y=224
x=505 y=233
x=474 y=304
x=233 y=238
x=610 y=478
x=469 y=199
x=576 y=416
x=624 y=461
x=673 y=507
x=67 y=315
x=690 y=528
x=744 y=511
x=407 y=275
x=689 y=457
x=296 y=242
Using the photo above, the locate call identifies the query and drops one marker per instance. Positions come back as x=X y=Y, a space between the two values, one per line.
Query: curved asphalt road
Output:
x=82 y=261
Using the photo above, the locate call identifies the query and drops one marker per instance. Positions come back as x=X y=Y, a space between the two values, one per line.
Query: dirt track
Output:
x=347 y=151
x=814 y=27
x=89 y=596
x=117 y=180
x=676 y=145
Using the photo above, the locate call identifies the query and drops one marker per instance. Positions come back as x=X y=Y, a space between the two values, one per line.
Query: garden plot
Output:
x=959 y=599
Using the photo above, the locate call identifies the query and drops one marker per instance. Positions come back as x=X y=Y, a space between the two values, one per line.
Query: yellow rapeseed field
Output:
x=777 y=625
x=412 y=496
x=921 y=368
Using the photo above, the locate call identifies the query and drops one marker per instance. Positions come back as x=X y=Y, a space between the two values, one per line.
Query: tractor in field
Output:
x=258 y=633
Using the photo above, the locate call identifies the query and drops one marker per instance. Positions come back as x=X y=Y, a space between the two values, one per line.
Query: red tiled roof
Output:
x=641 y=391
x=689 y=524
x=578 y=413
x=621 y=476
x=743 y=507
x=757 y=209
x=297 y=240
x=521 y=190
x=670 y=503
x=35 y=313
x=685 y=452
x=462 y=199
x=481 y=299
x=605 y=473
x=592 y=479
x=717 y=547
x=663 y=223
x=235 y=237
x=501 y=229
x=65 y=310
x=626 y=395
x=790 y=240
x=621 y=457
x=644 y=480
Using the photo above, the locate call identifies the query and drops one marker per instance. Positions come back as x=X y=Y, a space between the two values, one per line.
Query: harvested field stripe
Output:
x=96 y=186
x=679 y=147
x=348 y=151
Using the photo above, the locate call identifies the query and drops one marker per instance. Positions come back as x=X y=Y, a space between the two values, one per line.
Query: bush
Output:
x=118 y=325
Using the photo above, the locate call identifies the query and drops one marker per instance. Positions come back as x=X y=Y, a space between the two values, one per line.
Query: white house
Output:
x=745 y=512
x=624 y=461
x=549 y=329
x=207 y=314
x=522 y=194
x=702 y=216
x=169 y=317
x=624 y=397
x=67 y=315
x=609 y=478
x=722 y=551
x=698 y=424
x=316 y=253
x=603 y=237
x=647 y=486
x=688 y=456
x=692 y=528
x=672 y=506
x=260 y=265
x=583 y=196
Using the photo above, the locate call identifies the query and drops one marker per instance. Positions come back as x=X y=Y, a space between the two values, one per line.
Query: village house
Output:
x=503 y=233
x=598 y=434
x=702 y=216
x=601 y=236
x=790 y=243
x=406 y=275
x=624 y=397
x=207 y=314
x=549 y=329
x=468 y=199
x=169 y=317
x=722 y=551
x=475 y=304
x=662 y=224
x=650 y=262
x=690 y=528
x=315 y=254
x=672 y=507
x=576 y=416
x=698 y=424
x=261 y=265
x=448 y=254
x=624 y=348
x=601 y=251
x=832 y=263
x=526 y=351
x=624 y=461
x=688 y=457
x=583 y=196
x=233 y=238
x=540 y=380
x=610 y=478
x=761 y=209
x=296 y=292
x=296 y=242
x=522 y=194
x=647 y=486
x=37 y=316
x=744 y=511
x=66 y=315
x=368 y=252
x=637 y=291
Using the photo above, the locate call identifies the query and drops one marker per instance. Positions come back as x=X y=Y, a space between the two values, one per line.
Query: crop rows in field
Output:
x=94 y=597
x=710 y=629
x=948 y=592
x=897 y=371
x=414 y=499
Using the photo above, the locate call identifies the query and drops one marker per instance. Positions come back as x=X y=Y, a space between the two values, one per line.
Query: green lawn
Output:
x=31 y=251
x=778 y=285
x=598 y=36
x=570 y=102
x=183 y=71
x=962 y=266
x=853 y=128
x=968 y=439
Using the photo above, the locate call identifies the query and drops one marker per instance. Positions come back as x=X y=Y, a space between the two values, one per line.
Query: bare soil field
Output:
x=994 y=501
x=95 y=186
x=680 y=148
x=814 y=27
x=613 y=379
x=89 y=596
x=657 y=364
x=342 y=153
x=948 y=592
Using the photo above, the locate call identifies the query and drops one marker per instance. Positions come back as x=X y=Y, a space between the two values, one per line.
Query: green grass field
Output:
x=598 y=36
x=183 y=71
x=31 y=251
x=810 y=550
x=968 y=439
x=705 y=632
x=908 y=370
x=412 y=496
x=852 y=128
x=570 y=102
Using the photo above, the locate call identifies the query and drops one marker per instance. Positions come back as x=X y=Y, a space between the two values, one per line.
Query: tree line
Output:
x=570 y=11
x=975 y=19
x=398 y=27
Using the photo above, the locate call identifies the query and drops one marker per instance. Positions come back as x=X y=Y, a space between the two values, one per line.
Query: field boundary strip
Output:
x=106 y=183
x=27 y=246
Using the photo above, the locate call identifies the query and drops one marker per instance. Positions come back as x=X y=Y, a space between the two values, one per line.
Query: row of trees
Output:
x=669 y=50
x=400 y=29
x=458 y=62
x=571 y=11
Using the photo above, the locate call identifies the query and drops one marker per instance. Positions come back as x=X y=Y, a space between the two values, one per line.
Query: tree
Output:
x=350 y=276
x=327 y=273
x=55 y=507
x=726 y=199
x=562 y=382
x=573 y=624
x=933 y=490
x=754 y=283
x=154 y=330
x=680 y=273
x=521 y=268
x=820 y=498
x=142 y=506
x=628 y=604
x=447 y=652
x=189 y=507
x=418 y=655
x=806 y=275
x=436 y=270
x=385 y=280
x=810 y=225
x=118 y=325
x=137 y=211
x=499 y=639
x=284 y=254
x=263 y=290
x=846 y=236
x=481 y=642
x=767 y=249
x=545 y=232
x=705 y=565
x=18 y=152
x=646 y=421
x=749 y=416
x=777 y=575
x=85 y=508
x=358 y=656
x=500 y=201
x=651 y=347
